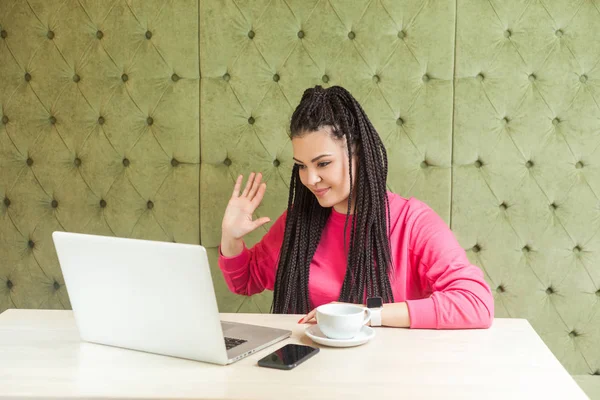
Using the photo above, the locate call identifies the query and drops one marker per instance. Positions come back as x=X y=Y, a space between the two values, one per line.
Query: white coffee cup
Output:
x=342 y=321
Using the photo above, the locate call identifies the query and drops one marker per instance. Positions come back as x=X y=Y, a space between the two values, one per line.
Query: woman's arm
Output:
x=252 y=270
x=461 y=298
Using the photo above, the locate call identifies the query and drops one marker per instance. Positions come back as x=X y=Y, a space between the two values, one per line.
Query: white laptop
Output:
x=152 y=296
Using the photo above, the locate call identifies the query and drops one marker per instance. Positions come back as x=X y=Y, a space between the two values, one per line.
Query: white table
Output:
x=41 y=356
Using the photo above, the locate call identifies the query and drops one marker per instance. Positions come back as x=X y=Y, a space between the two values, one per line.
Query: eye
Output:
x=324 y=164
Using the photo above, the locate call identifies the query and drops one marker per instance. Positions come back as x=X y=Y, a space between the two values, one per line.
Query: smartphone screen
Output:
x=288 y=357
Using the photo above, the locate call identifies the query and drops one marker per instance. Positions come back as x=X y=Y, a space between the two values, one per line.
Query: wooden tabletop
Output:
x=41 y=356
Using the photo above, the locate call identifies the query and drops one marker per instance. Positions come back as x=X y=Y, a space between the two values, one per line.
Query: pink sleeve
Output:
x=461 y=297
x=253 y=270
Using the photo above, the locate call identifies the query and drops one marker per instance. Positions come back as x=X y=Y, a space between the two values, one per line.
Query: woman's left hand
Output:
x=313 y=314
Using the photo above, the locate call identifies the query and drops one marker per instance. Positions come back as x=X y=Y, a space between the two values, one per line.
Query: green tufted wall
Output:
x=99 y=132
x=490 y=112
x=526 y=177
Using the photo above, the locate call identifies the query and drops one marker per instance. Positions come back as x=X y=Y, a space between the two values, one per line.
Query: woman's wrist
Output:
x=395 y=315
x=231 y=247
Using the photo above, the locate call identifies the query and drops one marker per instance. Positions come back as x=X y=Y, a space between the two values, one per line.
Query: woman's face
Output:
x=323 y=167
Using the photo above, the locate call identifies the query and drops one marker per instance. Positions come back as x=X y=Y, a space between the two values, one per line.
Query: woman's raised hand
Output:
x=237 y=221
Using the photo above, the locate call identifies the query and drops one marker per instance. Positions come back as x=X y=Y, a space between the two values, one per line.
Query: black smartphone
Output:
x=288 y=357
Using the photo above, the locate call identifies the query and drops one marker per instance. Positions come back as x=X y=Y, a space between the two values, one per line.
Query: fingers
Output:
x=308 y=317
x=238 y=185
x=248 y=184
x=259 y=195
x=261 y=221
x=255 y=186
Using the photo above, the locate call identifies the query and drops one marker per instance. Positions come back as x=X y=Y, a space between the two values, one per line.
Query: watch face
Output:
x=374 y=302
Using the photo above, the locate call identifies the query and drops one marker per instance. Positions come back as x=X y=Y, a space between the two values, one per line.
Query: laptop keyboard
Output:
x=230 y=343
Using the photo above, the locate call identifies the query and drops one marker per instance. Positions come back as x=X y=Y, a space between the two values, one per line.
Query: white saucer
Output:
x=366 y=333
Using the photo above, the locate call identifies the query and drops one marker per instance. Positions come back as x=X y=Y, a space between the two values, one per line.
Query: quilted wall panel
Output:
x=99 y=134
x=258 y=57
x=526 y=177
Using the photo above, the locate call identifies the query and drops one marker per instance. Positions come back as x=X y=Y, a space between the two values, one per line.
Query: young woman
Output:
x=344 y=237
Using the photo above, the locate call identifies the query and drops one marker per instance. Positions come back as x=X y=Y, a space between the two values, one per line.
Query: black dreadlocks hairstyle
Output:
x=369 y=256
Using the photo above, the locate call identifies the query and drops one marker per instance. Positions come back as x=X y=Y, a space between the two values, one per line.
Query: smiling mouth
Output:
x=321 y=192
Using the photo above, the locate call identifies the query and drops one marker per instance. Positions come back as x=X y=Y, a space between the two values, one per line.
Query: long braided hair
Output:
x=369 y=256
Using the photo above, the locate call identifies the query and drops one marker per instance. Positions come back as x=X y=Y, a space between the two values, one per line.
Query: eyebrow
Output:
x=314 y=159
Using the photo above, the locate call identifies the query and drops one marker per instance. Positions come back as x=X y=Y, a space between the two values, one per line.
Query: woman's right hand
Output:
x=237 y=221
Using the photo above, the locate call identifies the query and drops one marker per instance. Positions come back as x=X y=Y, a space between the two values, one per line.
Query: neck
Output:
x=342 y=207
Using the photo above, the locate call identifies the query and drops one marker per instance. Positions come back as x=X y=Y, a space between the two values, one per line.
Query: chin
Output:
x=325 y=203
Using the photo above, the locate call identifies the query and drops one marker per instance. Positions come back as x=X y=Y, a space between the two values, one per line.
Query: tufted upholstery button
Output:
x=426 y=78
x=4 y=119
x=227 y=161
x=529 y=164
x=579 y=165
x=424 y=164
x=480 y=77
x=77 y=161
x=507 y=33
x=376 y=79
x=325 y=78
x=149 y=120
x=124 y=77
x=598 y=292
x=54 y=204
x=276 y=163
x=148 y=35
x=102 y=203
x=99 y=34
x=476 y=248
x=399 y=121
x=126 y=162
x=505 y=120
x=52 y=120
x=503 y=206
x=555 y=121
x=27 y=76
x=50 y=35
x=174 y=162
x=526 y=249
x=76 y=78
x=553 y=206
x=301 y=34
x=583 y=78
x=532 y=78
x=226 y=77
x=559 y=33
x=478 y=164
x=276 y=78
x=101 y=120
x=29 y=161
x=150 y=205
x=401 y=35
x=3 y=34
x=31 y=244
x=56 y=285
x=550 y=290
x=500 y=289
x=576 y=249
x=251 y=120
x=251 y=34
x=175 y=77
x=9 y=284
x=7 y=202
x=351 y=35
x=574 y=333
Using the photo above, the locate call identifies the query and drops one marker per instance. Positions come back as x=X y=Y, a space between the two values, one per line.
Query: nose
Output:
x=313 y=177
